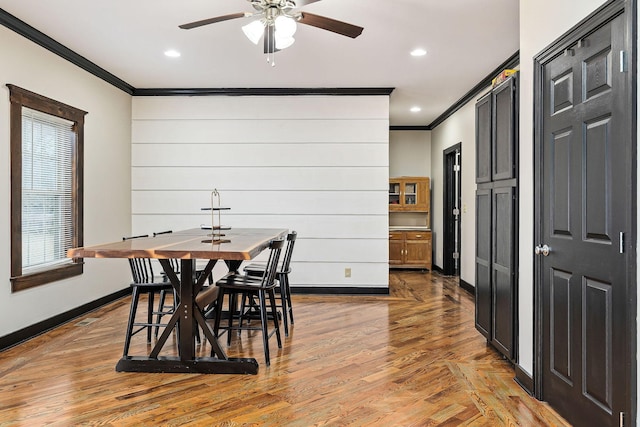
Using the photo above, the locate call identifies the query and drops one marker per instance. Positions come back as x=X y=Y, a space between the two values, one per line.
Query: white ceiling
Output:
x=465 y=40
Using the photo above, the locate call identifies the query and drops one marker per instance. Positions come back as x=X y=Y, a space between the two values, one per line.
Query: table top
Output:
x=195 y=243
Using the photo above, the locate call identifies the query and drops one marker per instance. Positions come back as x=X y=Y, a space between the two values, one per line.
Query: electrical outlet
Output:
x=347 y=272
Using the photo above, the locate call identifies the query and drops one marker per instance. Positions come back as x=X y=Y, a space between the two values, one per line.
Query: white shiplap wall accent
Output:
x=315 y=164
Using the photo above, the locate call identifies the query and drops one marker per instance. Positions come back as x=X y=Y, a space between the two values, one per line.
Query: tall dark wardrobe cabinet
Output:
x=496 y=216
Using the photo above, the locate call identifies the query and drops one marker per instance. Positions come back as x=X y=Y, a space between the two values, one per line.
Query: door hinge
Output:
x=623 y=61
x=622 y=419
x=456 y=211
x=622 y=242
x=456 y=255
x=456 y=168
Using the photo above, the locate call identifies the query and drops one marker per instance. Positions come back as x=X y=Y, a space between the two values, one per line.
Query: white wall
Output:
x=459 y=128
x=107 y=178
x=409 y=153
x=315 y=164
x=538 y=29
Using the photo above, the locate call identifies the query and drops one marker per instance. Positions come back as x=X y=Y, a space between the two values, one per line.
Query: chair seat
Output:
x=242 y=282
x=155 y=285
x=257 y=269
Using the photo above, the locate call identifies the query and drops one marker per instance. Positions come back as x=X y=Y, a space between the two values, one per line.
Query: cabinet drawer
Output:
x=418 y=235
x=396 y=235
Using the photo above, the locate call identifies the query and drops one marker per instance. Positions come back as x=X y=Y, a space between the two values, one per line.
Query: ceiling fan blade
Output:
x=300 y=3
x=329 y=24
x=214 y=20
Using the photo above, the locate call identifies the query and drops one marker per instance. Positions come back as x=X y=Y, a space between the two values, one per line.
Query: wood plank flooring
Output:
x=412 y=358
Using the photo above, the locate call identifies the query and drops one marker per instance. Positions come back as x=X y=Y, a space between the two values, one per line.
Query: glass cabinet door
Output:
x=410 y=193
x=394 y=193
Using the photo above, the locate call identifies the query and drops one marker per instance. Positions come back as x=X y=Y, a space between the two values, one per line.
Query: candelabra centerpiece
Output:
x=216 y=209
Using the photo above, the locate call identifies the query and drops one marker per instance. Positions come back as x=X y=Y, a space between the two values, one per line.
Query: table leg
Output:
x=233 y=265
x=186 y=343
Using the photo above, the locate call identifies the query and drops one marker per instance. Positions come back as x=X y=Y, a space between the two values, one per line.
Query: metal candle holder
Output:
x=216 y=230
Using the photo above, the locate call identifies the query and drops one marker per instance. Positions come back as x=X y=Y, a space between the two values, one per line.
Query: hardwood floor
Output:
x=412 y=358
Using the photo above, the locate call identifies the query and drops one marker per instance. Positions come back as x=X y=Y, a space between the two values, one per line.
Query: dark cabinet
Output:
x=483 y=262
x=496 y=216
x=503 y=131
x=483 y=139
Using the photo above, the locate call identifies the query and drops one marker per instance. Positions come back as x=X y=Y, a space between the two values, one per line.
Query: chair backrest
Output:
x=141 y=268
x=275 y=248
x=286 y=261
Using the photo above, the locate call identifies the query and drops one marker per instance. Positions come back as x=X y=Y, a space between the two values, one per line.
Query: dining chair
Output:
x=262 y=289
x=282 y=275
x=144 y=282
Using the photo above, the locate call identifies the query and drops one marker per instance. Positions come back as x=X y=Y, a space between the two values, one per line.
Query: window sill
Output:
x=20 y=283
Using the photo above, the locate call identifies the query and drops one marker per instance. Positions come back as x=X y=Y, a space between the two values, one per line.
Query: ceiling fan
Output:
x=277 y=23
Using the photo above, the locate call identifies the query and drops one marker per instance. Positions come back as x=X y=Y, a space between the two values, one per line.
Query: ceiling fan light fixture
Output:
x=285 y=26
x=254 y=31
x=283 y=42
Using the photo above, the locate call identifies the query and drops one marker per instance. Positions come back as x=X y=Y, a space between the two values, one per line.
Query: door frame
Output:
x=601 y=16
x=448 y=266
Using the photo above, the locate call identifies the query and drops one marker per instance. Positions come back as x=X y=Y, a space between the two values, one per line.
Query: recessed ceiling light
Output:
x=416 y=109
x=172 y=53
x=418 y=52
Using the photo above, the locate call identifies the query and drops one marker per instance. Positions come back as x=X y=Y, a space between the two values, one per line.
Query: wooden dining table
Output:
x=233 y=247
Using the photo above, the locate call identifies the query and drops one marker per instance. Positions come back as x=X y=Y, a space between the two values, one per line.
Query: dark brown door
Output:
x=585 y=208
x=451 y=215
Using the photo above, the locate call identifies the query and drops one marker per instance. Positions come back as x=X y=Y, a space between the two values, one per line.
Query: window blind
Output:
x=48 y=144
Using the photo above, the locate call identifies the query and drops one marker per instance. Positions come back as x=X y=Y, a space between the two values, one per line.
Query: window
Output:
x=46 y=188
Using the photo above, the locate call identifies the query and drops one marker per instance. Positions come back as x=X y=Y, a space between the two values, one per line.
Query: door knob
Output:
x=544 y=250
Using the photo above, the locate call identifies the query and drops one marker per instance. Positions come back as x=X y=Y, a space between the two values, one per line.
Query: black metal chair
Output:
x=234 y=284
x=144 y=282
x=282 y=275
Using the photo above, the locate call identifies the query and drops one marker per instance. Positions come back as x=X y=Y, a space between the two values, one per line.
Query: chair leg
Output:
x=233 y=297
x=163 y=296
x=283 y=303
x=216 y=322
x=132 y=316
x=274 y=312
x=264 y=322
x=288 y=291
x=242 y=310
x=150 y=314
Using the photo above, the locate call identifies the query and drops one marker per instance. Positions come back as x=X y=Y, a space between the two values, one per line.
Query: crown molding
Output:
x=265 y=91
x=410 y=127
x=28 y=32
x=511 y=62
